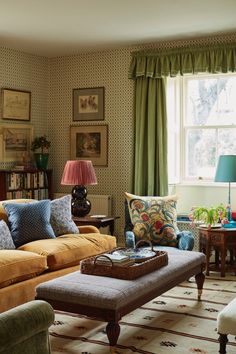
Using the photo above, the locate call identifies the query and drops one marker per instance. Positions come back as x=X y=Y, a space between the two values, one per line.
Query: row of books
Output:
x=15 y=180
x=38 y=194
x=118 y=260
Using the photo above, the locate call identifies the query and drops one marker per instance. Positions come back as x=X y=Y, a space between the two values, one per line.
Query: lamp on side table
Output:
x=79 y=173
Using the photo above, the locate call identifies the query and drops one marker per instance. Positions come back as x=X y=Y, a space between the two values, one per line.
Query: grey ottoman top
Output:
x=114 y=293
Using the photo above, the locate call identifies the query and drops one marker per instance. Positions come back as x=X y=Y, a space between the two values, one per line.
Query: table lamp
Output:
x=226 y=172
x=79 y=173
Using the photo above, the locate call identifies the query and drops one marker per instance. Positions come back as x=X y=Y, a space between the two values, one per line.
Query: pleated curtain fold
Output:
x=171 y=63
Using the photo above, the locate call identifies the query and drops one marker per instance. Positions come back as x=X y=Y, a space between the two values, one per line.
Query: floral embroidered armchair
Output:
x=154 y=219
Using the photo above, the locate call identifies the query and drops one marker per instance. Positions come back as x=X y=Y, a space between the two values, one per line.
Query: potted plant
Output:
x=209 y=216
x=41 y=144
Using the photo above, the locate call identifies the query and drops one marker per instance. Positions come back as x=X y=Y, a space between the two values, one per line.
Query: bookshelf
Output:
x=29 y=184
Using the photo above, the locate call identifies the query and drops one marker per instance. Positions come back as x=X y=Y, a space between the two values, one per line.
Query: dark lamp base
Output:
x=80 y=206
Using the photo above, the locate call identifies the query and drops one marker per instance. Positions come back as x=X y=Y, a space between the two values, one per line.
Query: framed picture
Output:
x=88 y=104
x=89 y=142
x=15 y=142
x=16 y=104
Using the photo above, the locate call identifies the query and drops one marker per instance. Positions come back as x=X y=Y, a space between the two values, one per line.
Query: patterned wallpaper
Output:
x=51 y=82
x=26 y=72
x=108 y=69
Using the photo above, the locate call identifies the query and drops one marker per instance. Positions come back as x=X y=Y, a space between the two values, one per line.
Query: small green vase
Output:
x=41 y=161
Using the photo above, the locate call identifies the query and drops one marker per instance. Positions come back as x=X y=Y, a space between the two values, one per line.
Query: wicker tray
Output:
x=89 y=266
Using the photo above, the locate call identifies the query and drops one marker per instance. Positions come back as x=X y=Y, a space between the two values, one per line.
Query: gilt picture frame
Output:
x=89 y=142
x=16 y=104
x=88 y=104
x=15 y=142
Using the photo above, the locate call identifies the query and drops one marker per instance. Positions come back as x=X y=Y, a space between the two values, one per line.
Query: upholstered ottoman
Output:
x=226 y=324
x=109 y=299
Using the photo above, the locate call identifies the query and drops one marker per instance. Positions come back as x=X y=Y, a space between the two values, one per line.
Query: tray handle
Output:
x=144 y=241
x=103 y=256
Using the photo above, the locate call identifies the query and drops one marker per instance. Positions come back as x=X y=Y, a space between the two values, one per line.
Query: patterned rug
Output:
x=172 y=323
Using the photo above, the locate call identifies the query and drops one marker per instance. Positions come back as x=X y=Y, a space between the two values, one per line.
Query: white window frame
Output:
x=180 y=85
x=173 y=110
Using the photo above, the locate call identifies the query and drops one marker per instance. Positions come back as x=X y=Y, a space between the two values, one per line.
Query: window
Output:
x=201 y=124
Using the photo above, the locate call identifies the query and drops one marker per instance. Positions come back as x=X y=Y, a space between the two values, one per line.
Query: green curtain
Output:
x=150 y=167
x=149 y=70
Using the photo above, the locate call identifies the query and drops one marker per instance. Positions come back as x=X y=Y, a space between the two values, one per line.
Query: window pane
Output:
x=200 y=152
x=227 y=142
x=211 y=101
x=227 y=101
x=201 y=95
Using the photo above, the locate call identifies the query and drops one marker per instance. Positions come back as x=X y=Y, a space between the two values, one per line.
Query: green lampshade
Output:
x=226 y=169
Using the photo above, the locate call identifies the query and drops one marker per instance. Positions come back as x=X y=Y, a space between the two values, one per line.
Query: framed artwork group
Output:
x=89 y=142
x=15 y=139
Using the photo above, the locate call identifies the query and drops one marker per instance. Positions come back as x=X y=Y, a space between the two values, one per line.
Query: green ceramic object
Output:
x=41 y=161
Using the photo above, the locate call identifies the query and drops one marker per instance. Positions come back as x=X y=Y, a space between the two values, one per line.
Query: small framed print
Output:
x=89 y=142
x=88 y=104
x=16 y=104
x=15 y=141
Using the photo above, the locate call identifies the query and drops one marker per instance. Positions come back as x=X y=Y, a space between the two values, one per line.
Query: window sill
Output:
x=203 y=184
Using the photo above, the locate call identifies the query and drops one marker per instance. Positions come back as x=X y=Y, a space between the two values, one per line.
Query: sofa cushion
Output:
x=61 y=219
x=16 y=266
x=154 y=218
x=5 y=237
x=69 y=250
x=29 y=221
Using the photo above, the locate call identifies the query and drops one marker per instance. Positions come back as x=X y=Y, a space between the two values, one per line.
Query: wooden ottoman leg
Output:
x=113 y=331
x=223 y=339
x=200 y=278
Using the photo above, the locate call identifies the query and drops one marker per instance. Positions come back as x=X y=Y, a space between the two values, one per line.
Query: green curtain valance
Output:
x=183 y=61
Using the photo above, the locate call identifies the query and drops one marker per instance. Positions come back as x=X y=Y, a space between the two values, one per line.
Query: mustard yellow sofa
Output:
x=22 y=269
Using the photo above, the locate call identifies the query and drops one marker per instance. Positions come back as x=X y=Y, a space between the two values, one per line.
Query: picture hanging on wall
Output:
x=88 y=104
x=16 y=104
x=15 y=142
x=89 y=142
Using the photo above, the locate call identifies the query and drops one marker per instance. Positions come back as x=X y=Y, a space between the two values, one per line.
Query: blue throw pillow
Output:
x=29 y=221
x=61 y=218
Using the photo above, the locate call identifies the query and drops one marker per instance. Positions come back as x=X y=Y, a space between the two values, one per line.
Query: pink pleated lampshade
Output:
x=79 y=172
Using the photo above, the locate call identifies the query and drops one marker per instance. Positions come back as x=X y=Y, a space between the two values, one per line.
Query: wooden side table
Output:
x=98 y=222
x=220 y=240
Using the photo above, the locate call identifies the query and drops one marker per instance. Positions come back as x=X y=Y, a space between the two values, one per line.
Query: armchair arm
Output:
x=87 y=229
x=185 y=240
x=129 y=239
x=25 y=327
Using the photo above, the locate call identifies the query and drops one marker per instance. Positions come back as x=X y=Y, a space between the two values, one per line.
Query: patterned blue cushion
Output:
x=29 y=221
x=6 y=242
x=61 y=219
